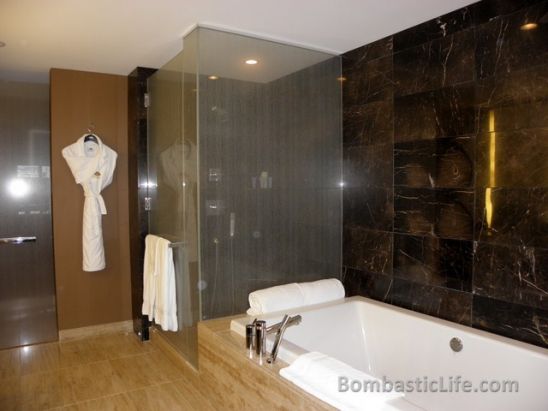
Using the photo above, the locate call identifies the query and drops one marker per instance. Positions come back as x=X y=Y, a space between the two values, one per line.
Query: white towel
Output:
x=322 y=291
x=294 y=295
x=149 y=276
x=318 y=374
x=159 y=291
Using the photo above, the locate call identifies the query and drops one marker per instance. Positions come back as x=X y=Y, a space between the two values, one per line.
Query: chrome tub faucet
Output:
x=256 y=336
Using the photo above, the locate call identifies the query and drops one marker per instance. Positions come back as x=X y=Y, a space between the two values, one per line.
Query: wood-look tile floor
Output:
x=110 y=372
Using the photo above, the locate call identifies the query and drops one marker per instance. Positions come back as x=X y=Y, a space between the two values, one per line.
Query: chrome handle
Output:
x=17 y=240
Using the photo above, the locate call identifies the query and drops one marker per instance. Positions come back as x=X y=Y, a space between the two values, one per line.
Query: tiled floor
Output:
x=111 y=372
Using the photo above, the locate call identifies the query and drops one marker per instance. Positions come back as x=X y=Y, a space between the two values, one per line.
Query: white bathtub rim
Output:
x=238 y=324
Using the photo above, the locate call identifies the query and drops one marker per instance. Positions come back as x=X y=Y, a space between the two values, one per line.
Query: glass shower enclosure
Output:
x=245 y=171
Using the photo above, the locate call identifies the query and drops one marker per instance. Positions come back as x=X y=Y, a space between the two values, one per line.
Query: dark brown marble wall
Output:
x=446 y=171
x=138 y=191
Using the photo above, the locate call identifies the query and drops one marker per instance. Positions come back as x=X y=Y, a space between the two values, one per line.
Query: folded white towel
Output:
x=159 y=291
x=149 y=275
x=294 y=295
x=165 y=307
x=322 y=291
x=318 y=374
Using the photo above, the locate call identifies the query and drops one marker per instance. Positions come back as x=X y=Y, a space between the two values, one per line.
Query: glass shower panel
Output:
x=270 y=167
x=173 y=182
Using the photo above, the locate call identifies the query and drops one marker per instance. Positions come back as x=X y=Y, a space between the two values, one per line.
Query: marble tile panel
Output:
x=46 y=390
x=119 y=345
x=439 y=302
x=445 y=213
x=512 y=273
x=443 y=163
x=485 y=10
x=357 y=57
x=368 y=166
x=502 y=47
x=367 y=250
x=518 y=90
x=436 y=64
x=442 y=26
x=371 y=123
x=371 y=208
x=370 y=81
x=10 y=394
x=517 y=321
x=372 y=285
x=94 y=380
x=160 y=397
x=434 y=261
x=447 y=112
x=520 y=158
x=512 y=216
x=10 y=363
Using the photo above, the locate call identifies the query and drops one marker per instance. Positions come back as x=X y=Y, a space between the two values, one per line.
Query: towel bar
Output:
x=177 y=244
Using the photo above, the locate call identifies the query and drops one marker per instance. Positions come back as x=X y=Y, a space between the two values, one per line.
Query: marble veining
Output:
x=370 y=123
x=443 y=212
x=371 y=81
x=511 y=148
x=367 y=284
x=369 y=208
x=368 y=250
x=439 y=163
x=434 y=261
x=445 y=112
x=455 y=112
x=439 y=27
x=502 y=47
x=439 y=63
x=518 y=216
x=513 y=274
x=440 y=302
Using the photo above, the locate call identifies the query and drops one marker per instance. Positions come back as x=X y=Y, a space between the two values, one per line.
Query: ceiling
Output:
x=115 y=36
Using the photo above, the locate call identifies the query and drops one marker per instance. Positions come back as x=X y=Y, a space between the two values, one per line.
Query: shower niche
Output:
x=244 y=171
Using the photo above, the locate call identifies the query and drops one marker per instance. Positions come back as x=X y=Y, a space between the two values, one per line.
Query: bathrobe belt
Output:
x=99 y=198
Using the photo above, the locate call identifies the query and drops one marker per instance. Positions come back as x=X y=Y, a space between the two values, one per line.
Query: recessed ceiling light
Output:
x=341 y=78
x=529 y=26
x=213 y=77
x=251 y=62
x=2 y=44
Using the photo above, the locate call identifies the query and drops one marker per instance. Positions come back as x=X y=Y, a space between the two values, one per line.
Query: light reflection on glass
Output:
x=18 y=188
x=148 y=184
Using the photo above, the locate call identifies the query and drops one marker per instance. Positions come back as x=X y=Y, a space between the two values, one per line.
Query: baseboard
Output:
x=93 y=330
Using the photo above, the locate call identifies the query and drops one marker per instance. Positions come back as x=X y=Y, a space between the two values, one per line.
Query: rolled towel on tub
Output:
x=322 y=291
x=294 y=295
x=318 y=374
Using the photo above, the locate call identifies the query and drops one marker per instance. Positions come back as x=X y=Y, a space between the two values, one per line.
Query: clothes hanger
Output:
x=91 y=137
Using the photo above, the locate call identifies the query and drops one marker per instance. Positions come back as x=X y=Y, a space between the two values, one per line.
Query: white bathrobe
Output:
x=92 y=165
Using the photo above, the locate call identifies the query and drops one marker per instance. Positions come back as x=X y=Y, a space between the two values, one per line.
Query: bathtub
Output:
x=401 y=345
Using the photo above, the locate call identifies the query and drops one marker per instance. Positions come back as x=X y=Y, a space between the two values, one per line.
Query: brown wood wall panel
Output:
x=88 y=298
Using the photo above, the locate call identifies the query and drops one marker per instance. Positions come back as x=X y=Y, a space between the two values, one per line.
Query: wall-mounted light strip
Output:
x=489 y=206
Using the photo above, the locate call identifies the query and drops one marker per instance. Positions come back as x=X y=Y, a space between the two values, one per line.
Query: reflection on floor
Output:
x=111 y=372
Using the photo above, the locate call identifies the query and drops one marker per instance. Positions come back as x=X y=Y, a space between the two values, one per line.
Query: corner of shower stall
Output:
x=245 y=171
